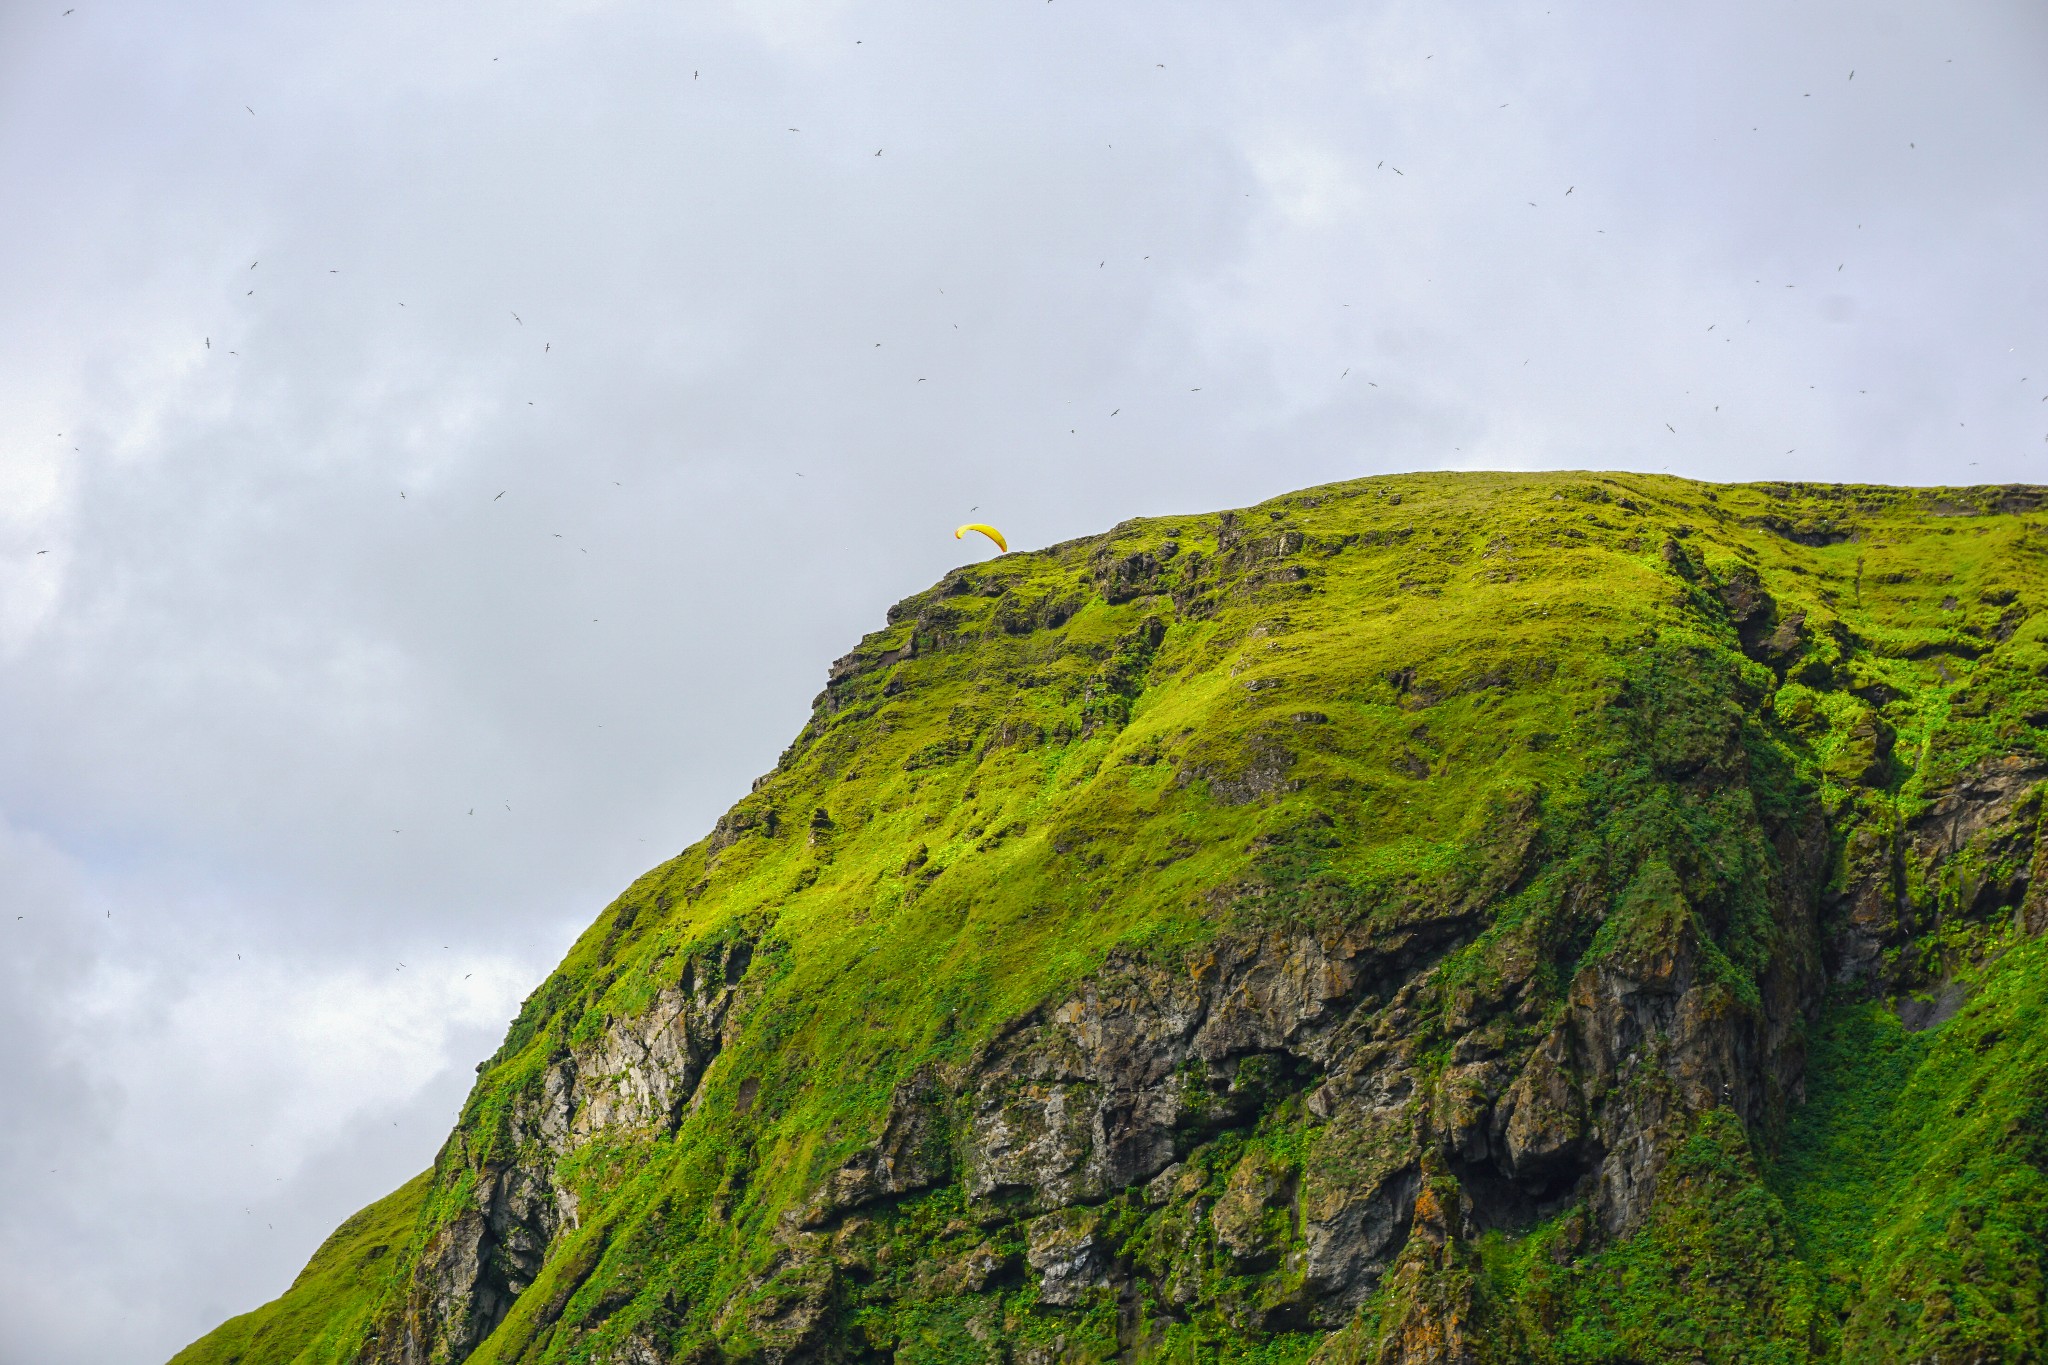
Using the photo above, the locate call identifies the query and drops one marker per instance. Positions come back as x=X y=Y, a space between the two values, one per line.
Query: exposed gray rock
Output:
x=1249 y=1219
x=1539 y=1128
x=1068 y=1254
x=640 y=1074
x=910 y=1155
x=1982 y=831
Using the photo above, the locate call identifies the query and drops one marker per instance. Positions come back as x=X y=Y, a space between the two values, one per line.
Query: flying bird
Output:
x=501 y=493
x=515 y=318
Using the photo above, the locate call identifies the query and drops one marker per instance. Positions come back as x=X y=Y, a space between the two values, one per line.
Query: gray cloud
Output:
x=288 y=636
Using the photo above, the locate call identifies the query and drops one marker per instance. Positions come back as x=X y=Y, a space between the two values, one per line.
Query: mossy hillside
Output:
x=1917 y=1177
x=325 y=1313
x=1356 y=704
x=954 y=882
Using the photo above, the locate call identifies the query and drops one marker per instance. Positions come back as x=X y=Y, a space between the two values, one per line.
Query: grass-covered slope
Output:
x=325 y=1313
x=1485 y=771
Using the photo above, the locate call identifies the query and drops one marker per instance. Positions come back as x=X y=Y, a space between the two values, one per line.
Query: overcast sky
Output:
x=442 y=446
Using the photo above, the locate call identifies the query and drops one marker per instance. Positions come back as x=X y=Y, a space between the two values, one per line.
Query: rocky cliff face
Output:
x=637 y=1075
x=1388 y=925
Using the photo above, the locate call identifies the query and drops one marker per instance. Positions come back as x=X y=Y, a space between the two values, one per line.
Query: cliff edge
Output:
x=1436 y=918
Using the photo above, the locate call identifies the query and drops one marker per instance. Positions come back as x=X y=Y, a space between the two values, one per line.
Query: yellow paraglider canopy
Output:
x=991 y=532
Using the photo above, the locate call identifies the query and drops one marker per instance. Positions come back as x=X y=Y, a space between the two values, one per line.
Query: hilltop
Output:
x=1461 y=917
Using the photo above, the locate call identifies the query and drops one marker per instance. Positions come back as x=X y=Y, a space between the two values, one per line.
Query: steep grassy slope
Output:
x=327 y=1310
x=1396 y=922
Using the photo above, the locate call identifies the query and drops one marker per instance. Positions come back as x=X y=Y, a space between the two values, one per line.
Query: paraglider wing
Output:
x=991 y=532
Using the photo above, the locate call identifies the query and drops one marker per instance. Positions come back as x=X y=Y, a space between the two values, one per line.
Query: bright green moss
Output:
x=323 y=1318
x=1917 y=1176
x=1485 y=700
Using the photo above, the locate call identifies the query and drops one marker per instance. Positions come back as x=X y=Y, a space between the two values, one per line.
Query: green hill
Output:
x=1435 y=918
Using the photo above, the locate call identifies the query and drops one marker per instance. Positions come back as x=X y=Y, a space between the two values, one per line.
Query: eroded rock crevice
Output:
x=640 y=1074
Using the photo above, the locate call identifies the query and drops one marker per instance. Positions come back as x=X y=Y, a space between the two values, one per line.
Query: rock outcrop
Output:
x=639 y=1074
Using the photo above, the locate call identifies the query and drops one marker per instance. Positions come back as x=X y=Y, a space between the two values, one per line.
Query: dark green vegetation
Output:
x=1571 y=918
